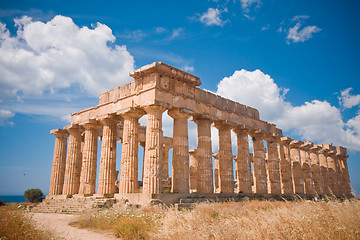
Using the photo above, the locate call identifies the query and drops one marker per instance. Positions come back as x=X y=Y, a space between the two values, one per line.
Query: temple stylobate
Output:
x=285 y=166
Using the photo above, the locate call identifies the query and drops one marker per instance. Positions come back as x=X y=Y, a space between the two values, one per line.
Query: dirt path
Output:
x=59 y=224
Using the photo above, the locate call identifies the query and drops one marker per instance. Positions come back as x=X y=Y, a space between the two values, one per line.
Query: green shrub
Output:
x=33 y=195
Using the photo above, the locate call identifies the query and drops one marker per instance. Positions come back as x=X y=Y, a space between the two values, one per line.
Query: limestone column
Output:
x=323 y=153
x=315 y=170
x=153 y=150
x=89 y=158
x=273 y=164
x=339 y=174
x=165 y=166
x=285 y=165
x=73 y=161
x=193 y=170
x=204 y=156
x=243 y=161
x=58 y=167
x=180 y=157
x=260 y=173
x=332 y=178
x=226 y=170
x=346 y=186
x=216 y=173
x=129 y=153
x=306 y=167
x=107 y=172
x=296 y=166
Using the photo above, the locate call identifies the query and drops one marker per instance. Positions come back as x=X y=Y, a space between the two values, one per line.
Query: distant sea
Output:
x=12 y=198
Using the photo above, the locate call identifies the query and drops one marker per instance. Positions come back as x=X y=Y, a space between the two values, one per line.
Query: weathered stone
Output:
x=296 y=166
x=273 y=165
x=260 y=173
x=58 y=167
x=285 y=166
x=243 y=162
x=306 y=167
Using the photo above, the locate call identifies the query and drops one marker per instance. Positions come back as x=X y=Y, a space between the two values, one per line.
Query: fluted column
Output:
x=273 y=164
x=165 y=166
x=180 y=157
x=323 y=153
x=296 y=166
x=73 y=161
x=315 y=170
x=89 y=158
x=226 y=170
x=107 y=172
x=193 y=170
x=243 y=162
x=285 y=166
x=339 y=174
x=346 y=186
x=260 y=173
x=153 y=150
x=129 y=153
x=204 y=156
x=58 y=167
x=216 y=173
x=306 y=167
x=332 y=178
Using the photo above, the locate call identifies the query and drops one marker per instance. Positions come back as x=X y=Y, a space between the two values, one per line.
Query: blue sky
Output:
x=295 y=61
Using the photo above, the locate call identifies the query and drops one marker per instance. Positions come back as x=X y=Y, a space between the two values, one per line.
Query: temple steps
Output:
x=72 y=205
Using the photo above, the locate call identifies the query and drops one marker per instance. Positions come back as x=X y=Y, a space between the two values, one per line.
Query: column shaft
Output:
x=260 y=173
x=73 y=161
x=243 y=162
x=226 y=170
x=129 y=153
x=315 y=170
x=324 y=171
x=89 y=159
x=180 y=157
x=193 y=170
x=332 y=178
x=296 y=166
x=107 y=172
x=285 y=166
x=153 y=150
x=204 y=156
x=306 y=167
x=273 y=166
x=59 y=159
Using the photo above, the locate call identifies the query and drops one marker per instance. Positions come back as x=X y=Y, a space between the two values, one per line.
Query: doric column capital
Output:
x=91 y=124
x=222 y=124
x=60 y=133
x=202 y=120
x=156 y=108
x=323 y=151
x=256 y=133
x=240 y=129
x=179 y=113
x=285 y=140
x=109 y=119
x=306 y=146
x=314 y=149
x=131 y=112
x=74 y=128
x=296 y=144
x=271 y=138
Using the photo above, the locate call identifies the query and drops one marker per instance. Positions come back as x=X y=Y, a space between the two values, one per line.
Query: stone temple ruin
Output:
x=286 y=167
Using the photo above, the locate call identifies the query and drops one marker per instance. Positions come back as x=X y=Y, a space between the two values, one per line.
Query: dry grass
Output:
x=246 y=220
x=15 y=225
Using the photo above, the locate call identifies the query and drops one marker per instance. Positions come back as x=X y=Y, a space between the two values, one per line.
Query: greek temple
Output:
x=284 y=167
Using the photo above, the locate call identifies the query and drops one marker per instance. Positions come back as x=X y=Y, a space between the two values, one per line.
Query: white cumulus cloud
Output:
x=58 y=54
x=296 y=35
x=4 y=116
x=316 y=121
x=246 y=4
x=347 y=100
x=212 y=18
x=42 y=61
